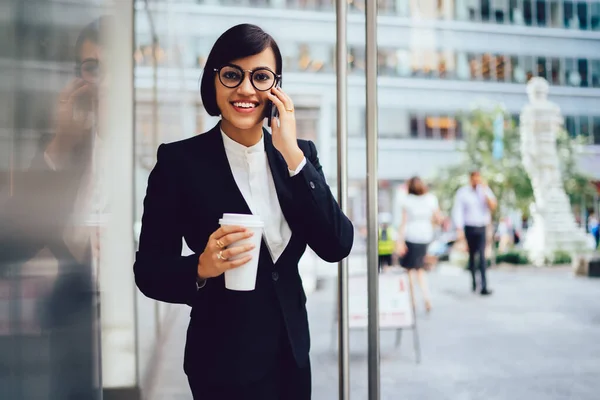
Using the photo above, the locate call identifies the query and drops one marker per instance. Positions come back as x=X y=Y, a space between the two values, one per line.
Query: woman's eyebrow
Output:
x=262 y=67
x=253 y=69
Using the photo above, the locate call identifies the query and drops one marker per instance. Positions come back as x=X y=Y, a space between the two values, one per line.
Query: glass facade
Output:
x=446 y=64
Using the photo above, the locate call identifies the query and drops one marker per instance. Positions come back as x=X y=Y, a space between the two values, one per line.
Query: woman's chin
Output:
x=245 y=123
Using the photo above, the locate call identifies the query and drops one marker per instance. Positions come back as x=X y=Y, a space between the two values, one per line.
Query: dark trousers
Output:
x=285 y=381
x=476 y=238
x=385 y=260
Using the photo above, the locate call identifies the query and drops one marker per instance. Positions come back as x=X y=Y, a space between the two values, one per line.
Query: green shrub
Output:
x=512 y=257
x=561 y=257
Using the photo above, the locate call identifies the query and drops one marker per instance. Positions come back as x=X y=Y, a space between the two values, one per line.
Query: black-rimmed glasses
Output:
x=232 y=76
x=90 y=71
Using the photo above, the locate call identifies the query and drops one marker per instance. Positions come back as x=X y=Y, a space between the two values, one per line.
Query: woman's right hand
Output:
x=72 y=122
x=215 y=259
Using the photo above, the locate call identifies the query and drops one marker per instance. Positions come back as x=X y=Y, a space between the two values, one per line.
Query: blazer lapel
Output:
x=227 y=196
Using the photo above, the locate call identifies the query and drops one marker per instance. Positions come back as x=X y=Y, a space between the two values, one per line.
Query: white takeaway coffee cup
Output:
x=243 y=278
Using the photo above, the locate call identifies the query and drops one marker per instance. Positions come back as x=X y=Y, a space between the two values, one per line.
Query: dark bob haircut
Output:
x=240 y=41
x=416 y=186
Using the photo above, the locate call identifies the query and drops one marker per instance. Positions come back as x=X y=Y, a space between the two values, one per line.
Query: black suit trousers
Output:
x=284 y=381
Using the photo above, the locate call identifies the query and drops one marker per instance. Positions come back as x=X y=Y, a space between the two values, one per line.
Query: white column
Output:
x=119 y=369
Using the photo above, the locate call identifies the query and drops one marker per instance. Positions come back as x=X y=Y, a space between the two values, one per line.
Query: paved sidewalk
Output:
x=537 y=337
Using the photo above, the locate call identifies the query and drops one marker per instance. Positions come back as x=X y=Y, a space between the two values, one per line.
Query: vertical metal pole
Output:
x=372 y=188
x=342 y=173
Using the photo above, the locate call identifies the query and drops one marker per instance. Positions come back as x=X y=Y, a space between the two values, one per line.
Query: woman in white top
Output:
x=420 y=212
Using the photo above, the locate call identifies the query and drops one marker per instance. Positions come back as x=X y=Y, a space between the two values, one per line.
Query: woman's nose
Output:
x=246 y=86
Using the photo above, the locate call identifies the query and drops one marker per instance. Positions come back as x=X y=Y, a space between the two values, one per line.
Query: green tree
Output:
x=505 y=176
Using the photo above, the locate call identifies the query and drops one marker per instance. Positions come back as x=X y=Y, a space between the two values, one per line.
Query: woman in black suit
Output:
x=240 y=345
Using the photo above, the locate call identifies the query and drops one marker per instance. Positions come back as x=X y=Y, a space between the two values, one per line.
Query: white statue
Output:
x=554 y=227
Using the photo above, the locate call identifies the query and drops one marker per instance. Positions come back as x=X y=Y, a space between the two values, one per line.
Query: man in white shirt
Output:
x=473 y=205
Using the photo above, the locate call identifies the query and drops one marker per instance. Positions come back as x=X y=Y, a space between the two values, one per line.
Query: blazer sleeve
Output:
x=161 y=272
x=327 y=230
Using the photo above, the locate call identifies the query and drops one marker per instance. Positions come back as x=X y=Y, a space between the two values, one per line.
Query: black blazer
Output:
x=234 y=337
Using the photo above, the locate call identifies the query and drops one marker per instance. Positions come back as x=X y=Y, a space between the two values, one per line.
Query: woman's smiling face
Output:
x=243 y=107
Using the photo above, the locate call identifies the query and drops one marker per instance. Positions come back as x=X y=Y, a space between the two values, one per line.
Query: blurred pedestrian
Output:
x=594 y=228
x=420 y=214
x=473 y=205
x=386 y=241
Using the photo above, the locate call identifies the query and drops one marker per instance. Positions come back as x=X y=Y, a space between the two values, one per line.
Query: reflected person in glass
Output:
x=241 y=344
x=51 y=224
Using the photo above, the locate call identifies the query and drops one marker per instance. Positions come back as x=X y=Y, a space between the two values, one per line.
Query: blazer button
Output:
x=275 y=276
x=312 y=185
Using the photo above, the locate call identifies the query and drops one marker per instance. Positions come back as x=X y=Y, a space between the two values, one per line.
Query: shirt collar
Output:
x=233 y=147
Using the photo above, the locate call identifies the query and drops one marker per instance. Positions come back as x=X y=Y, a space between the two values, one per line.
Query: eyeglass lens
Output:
x=262 y=79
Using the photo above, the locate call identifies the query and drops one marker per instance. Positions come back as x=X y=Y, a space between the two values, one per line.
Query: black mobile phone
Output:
x=272 y=109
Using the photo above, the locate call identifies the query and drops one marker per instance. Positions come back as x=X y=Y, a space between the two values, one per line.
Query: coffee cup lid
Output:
x=249 y=220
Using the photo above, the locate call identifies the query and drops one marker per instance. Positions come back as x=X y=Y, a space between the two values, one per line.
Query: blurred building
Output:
x=436 y=58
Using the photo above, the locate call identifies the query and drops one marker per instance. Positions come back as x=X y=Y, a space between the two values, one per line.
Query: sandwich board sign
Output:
x=395 y=306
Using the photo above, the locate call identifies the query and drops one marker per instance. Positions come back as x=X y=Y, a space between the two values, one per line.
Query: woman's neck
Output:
x=247 y=137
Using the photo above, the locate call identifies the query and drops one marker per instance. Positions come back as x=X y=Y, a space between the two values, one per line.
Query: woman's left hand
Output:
x=401 y=248
x=283 y=128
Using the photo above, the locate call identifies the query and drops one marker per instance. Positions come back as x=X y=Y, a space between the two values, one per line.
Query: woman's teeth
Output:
x=244 y=105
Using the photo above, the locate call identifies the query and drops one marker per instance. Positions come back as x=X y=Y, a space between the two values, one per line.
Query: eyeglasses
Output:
x=232 y=76
x=90 y=71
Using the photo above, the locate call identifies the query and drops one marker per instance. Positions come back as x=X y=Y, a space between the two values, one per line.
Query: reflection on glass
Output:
x=52 y=203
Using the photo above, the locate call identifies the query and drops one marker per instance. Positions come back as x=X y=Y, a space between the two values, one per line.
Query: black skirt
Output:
x=415 y=255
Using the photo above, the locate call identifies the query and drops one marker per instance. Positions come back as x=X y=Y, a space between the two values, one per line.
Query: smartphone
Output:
x=272 y=110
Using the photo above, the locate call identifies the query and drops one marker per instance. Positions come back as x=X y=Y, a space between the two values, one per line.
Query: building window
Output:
x=584 y=127
x=403 y=67
x=443 y=126
x=393 y=122
x=595 y=16
x=515 y=12
x=518 y=75
x=415 y=124
x=571 y=126
x=474 y=66
x=554 y=71
x=487 y=62
x=501 y=64
x=555 y=14
x=542 y=70
x=387 y=62
x=582 y=67
x=576 y=72
x=356 y=60
x=595 y=69
x=434 y=126
x=596 y=129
